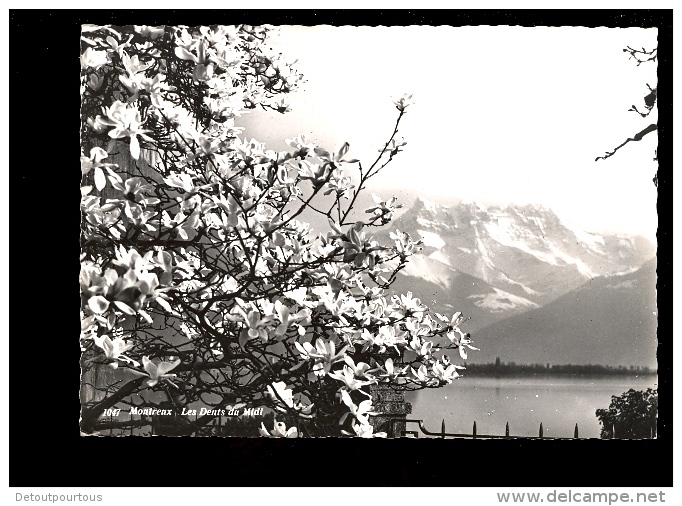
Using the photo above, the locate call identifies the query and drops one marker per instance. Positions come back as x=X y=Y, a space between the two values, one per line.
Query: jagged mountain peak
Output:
x=525 y=250
x=424 y=205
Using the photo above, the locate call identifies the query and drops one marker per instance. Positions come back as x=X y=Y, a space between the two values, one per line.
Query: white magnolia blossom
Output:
x=157 y=373
x=279 y=430
x=113 y=349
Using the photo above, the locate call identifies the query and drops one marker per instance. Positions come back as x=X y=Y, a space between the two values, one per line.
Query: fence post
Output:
x=132 y=419
x=506 y=430
x=442 y=429
x=575 y=432
x=613 y=431
x=541 y=430
x=474 y=434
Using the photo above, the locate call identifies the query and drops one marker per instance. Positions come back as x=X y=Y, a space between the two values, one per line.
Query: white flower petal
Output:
x=134 y=147
x=100 y=180
x=98 y=304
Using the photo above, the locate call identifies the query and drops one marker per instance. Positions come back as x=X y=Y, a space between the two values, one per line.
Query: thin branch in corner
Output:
x=636 y=137
x=649 y=102
x=643 y=55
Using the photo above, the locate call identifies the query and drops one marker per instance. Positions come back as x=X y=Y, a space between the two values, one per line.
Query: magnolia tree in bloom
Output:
x=200 y=282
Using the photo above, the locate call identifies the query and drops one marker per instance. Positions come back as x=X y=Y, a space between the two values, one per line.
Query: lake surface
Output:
x=558 y=402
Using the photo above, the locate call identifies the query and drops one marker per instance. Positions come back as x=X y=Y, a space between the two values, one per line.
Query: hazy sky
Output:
x=501 y=114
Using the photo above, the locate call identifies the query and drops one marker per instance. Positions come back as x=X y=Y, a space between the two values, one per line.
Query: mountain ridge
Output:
x=494 y=263
x=609 y=318
x=519 y=248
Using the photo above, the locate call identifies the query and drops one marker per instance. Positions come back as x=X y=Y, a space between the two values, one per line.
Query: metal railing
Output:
x=473 y=435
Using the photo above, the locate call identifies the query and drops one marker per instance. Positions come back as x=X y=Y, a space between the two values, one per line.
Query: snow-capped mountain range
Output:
x=493 y=262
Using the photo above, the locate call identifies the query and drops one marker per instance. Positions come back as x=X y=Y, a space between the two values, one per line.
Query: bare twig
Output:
x=637 y=137
x=641 y=56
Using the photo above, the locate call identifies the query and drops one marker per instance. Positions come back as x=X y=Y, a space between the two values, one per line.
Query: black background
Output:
x=45 y=446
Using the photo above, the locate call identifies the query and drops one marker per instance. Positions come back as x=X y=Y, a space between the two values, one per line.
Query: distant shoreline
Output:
x=498 y=369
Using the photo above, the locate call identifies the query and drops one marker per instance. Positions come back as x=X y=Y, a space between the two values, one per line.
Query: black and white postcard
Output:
x=369 y=231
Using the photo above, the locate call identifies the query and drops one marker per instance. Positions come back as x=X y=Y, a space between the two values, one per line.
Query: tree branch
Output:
x=637 y=137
